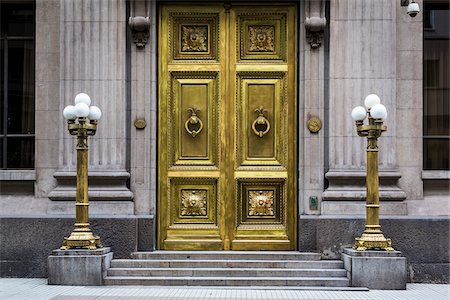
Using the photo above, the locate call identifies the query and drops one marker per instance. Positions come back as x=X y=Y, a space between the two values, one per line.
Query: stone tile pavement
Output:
x=37 y=289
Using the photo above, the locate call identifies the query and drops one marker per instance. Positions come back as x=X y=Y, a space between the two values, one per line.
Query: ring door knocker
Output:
x=193 y=125
x=261 y=125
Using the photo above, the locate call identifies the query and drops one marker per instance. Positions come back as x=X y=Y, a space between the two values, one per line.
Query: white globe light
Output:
x=359 y=113
x=83 y=98
x=378 y=111
x=69 y=112
x=94 y=113
x=371 y=100
x=81 y=110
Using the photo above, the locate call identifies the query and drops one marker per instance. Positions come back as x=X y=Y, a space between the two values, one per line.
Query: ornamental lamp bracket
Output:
x=140 y=30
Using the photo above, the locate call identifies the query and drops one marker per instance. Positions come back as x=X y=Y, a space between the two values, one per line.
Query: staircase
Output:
x=226 y=268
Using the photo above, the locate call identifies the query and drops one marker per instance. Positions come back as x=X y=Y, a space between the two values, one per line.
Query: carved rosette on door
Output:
x=227 y=160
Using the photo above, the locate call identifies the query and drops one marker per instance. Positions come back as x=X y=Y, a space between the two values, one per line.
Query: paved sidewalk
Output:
x=37 y=289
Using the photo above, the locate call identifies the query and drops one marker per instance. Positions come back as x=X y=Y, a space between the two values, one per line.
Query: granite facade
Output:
x=368 y=47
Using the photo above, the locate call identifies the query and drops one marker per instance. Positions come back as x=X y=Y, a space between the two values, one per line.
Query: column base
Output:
x=372 y=241
x=349 y=185
x=103 y=186
x=82 y=239
x=79 y=266
x=381 y=270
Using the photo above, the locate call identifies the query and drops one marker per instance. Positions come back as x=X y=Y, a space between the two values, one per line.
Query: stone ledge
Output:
x=99 y=251
x=436 y=174
x=359 y=207
x=372 y=253
x=103 y=186
x=119 y=174
x=351 y=185
x=21 y=175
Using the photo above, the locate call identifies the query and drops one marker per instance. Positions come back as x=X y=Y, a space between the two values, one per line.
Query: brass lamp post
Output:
x=372 y=237
x=82 y=122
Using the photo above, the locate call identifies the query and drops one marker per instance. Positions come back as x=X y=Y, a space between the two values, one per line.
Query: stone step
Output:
x=221 y=263
x=234 y=255
x=227 y=281
x=226 y=272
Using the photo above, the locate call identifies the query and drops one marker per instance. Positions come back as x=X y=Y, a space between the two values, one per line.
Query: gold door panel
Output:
x=194 y=36
x=261 y=214
x=193 y=214
x=193 y=119
x=227 y=140
x=261 y=116
x=261 y=36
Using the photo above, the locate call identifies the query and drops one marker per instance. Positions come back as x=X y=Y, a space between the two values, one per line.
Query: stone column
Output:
x=312 y=45
x=47 y=97
x=93 y=60
x=143 y=141
x=362 y=61
x=409 y=113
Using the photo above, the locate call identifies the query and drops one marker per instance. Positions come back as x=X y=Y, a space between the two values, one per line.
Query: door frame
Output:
x=296 y=109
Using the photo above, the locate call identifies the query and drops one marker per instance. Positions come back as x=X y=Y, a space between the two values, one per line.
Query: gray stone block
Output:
x=78 y=267
x=428 y=272
x=380 y=270
x=27 y=242
x=424 y=241
x=145 y=233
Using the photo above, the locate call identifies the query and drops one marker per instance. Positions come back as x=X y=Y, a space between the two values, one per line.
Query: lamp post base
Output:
x=379 y=270
x=79 y=266
x=82 y=239
x=372 y=241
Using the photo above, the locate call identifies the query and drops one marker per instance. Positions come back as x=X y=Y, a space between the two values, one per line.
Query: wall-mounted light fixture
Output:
x=413 y=8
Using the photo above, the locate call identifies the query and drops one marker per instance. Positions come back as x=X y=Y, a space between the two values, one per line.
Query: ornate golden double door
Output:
x=227 y=119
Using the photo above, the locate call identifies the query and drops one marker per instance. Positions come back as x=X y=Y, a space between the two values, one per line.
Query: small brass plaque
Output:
x=140 y=124
x=314 y=124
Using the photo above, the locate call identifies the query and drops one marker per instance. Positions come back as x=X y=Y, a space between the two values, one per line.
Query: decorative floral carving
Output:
x=193 y=203
x=261 y=38
x=260 y=203
x=194 y=38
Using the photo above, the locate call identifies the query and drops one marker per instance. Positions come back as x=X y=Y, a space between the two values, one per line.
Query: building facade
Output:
x=224 y=125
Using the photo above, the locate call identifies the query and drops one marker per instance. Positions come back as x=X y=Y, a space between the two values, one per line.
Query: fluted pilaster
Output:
x=362 y=61
x=93 y=60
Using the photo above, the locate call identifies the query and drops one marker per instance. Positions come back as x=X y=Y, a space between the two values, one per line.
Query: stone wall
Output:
x=423 y=241
x=27 y=242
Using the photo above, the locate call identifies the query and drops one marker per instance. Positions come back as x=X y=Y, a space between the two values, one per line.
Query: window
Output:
x=17 y=85
x=436 y=87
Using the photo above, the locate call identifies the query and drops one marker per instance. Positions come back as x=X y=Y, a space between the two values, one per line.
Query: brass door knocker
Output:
x=193 y=125
x=261 y=125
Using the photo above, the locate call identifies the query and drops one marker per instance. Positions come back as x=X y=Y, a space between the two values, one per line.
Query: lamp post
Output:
x=372 y=237
x=82 y=121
